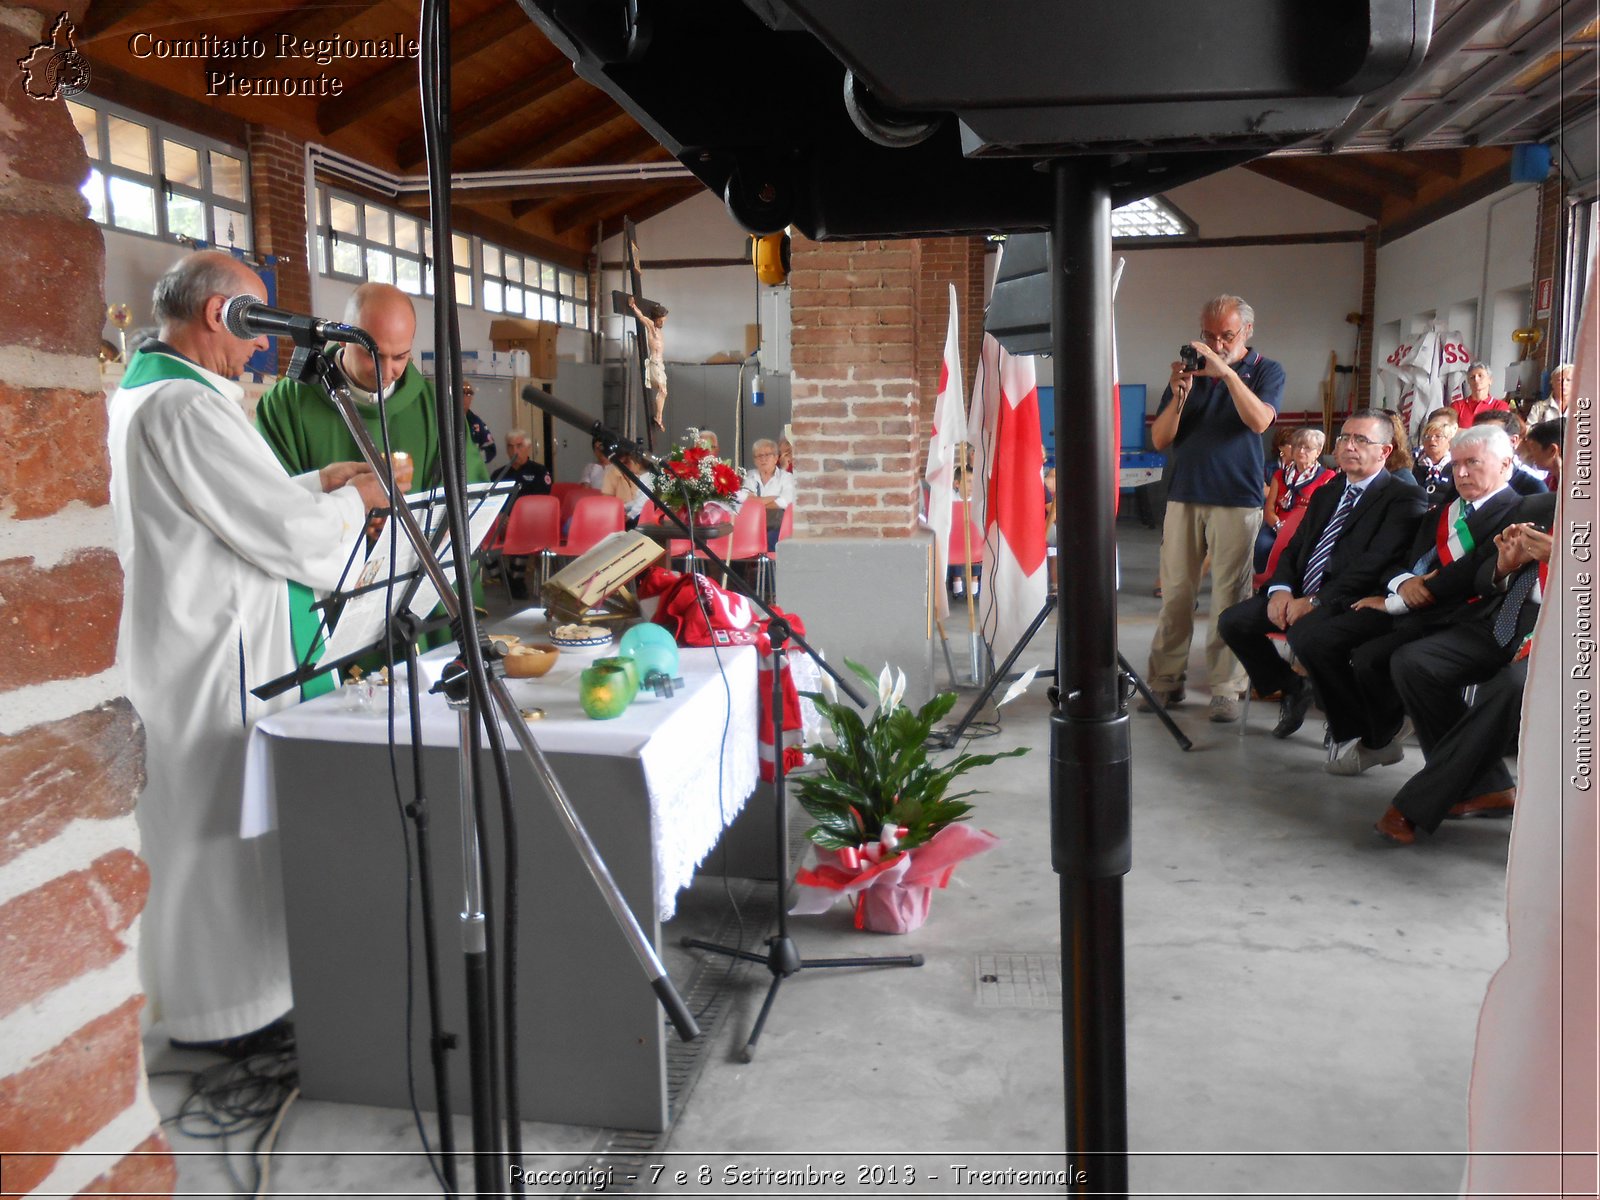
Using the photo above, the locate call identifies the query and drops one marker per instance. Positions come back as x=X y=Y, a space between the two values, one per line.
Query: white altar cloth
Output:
x=676 y=740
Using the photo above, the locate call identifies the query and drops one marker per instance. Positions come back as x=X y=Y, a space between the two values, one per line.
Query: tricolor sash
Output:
x=1453 y=540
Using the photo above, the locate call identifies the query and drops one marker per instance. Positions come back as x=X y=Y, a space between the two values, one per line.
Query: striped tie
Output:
x=1325 y=543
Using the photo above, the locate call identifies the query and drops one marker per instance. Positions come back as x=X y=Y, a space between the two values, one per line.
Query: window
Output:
x=384 y=245
x=1150 y=217
x=146 y=176
x=522 y=286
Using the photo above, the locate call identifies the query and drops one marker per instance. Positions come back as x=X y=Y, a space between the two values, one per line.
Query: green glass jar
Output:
x=604 y=691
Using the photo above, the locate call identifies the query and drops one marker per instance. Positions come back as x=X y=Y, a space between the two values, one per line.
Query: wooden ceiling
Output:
x=1498 y=72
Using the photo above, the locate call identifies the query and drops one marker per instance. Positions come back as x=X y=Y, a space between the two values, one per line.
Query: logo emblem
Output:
x=56 y=68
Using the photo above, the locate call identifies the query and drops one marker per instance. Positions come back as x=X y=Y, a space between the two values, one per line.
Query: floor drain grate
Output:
x=1011 y=980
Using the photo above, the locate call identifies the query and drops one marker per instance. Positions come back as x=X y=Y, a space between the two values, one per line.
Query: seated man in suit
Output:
x=1440 y=580
x=1354 y=536
x=1465 y=773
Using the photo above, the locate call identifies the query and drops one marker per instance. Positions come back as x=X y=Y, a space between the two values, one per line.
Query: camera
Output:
x=1190 y=358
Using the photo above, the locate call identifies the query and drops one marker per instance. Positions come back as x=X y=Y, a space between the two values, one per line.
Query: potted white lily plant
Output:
x=889 y=830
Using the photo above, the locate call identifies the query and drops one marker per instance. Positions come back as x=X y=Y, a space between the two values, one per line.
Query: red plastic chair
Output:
x=786 y=526
x=569 y=494
x=748 y=543
x=594 y=518
x=1286 y=530
x=534 y=527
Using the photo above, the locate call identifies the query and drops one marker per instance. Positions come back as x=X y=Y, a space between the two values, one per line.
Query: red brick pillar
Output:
x=278 y=205
x=855 y=392
x=71 y=750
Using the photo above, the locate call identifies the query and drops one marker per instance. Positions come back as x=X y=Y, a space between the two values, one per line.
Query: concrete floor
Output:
x=1301 y=1000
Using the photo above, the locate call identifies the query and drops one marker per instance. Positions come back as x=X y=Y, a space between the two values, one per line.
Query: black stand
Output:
x=783 y=958
x=1090 y=743
x=947 y=739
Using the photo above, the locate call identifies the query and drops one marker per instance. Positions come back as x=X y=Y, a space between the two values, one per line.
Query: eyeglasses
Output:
x=1357 y=439
x=1226 y=338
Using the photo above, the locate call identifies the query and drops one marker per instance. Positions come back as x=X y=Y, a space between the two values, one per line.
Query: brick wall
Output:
x=71 y=750
x=868 y=322
x=278 y=205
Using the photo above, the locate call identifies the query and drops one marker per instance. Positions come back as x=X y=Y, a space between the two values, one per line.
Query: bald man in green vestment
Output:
x=307 y=433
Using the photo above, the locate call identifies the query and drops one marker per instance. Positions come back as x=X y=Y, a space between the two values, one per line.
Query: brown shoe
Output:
x=1490 y=804
x=1396 y=828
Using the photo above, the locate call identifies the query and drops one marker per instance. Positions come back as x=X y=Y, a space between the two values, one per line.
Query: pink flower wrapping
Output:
x=892 y=889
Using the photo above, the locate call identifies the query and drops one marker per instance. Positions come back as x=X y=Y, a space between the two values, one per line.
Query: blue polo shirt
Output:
x=1215 y=457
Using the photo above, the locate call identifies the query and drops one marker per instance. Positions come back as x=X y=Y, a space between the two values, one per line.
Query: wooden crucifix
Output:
x=649 y=316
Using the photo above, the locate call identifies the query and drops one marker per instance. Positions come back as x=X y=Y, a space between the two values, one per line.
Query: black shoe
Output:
x=275 y=1038
x=1292 y=709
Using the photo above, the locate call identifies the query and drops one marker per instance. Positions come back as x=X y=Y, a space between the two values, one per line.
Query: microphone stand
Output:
x=783 y=957
x=313 y=366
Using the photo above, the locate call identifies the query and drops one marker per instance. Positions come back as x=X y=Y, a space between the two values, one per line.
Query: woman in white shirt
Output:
x=768 y=485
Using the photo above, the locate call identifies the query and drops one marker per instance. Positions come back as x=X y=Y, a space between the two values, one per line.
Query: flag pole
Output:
x=1090 y=743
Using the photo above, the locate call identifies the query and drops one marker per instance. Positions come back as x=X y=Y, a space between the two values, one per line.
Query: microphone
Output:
x=247 y=317
x=576 y=417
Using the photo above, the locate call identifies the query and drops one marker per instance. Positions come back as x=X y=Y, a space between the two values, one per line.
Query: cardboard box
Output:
x=752 y=339
x=538 y=338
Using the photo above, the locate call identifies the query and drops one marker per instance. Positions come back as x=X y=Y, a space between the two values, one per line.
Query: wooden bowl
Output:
x=531 y=661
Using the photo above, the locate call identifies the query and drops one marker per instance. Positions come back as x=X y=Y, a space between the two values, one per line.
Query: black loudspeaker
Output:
x=923 y=117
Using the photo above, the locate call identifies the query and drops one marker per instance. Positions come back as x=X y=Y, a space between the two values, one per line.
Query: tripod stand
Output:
x=783 y=958
x=949 y=738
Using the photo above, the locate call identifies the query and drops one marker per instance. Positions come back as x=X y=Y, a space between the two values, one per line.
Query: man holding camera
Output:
x=1222 y=395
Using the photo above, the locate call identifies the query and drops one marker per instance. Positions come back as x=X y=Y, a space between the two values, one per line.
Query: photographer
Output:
x=1221 y=397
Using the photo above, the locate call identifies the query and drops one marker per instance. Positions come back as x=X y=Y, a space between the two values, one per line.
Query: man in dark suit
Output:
x=1352 y=539
x=1440 y=581
x=1465 y=773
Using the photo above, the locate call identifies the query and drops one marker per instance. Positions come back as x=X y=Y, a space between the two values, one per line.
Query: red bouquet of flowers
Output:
x=692 y=476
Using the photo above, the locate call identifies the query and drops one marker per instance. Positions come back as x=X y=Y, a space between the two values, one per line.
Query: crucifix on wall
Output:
x=649 y=317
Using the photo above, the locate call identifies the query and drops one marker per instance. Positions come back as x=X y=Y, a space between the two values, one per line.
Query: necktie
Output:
x=1325 y=543
x=1517 y=592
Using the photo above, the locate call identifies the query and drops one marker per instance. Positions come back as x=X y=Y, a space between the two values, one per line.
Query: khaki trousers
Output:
x=1191 y=532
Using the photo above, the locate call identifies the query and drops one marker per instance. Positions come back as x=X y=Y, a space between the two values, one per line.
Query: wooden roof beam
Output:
x=601 y=110
x=644 y=211
x=303 y=24
x=480 y=116
x=107 y=14
x=399 y=82
x=1295 y=173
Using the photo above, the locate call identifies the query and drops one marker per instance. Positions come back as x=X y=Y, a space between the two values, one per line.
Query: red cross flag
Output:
x=1008 y=501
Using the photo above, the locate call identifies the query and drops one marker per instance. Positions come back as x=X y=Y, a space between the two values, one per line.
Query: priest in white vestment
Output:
x=211 y=531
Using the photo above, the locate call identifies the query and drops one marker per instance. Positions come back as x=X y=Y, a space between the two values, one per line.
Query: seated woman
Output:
x=768 y=485
x=615 y=483
x=1291 y=487
x=1400 y=461
x=1433 y=470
